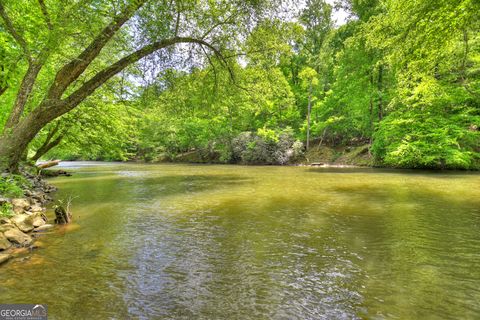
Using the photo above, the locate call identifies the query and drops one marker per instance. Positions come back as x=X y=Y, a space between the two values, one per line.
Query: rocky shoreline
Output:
x=28 y=221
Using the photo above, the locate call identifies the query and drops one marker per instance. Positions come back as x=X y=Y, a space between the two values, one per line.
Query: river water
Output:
x=234 y=242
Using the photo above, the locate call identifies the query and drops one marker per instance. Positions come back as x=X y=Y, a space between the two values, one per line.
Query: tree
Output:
x=159 y=24
x=309 y=80
x=435 y=113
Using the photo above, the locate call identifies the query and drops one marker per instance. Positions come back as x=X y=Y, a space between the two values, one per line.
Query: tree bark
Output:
x=380 y=92
x=23 y=95
x=49 y=144
x=2 y=90
x=309 y=109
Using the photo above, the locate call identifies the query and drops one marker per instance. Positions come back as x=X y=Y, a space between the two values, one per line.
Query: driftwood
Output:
x=48 y=164
x=62 y=216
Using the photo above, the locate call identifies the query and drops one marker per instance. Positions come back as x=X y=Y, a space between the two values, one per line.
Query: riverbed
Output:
x=175 y=241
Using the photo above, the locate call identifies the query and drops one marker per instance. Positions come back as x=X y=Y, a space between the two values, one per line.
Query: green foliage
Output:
x=266 y=147
x=11 y=186
x=429 y=140
x=6 y=210
x=403 y=77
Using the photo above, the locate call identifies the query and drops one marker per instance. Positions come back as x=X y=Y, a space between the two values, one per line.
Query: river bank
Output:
x=23 y=202
x=329 y=156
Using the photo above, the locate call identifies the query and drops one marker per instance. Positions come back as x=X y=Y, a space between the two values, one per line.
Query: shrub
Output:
x=11 y=186
x=266 y=147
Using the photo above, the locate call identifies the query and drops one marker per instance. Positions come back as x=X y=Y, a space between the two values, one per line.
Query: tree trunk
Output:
x=380 y=93
x=14 y=143
x=309 y=109
x=371 y=104
x=49 y=144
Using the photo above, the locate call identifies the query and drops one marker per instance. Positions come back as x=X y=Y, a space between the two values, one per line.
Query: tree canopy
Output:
x=240 y=81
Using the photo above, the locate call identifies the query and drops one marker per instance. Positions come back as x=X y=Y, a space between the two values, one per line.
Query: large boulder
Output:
x=20 y=205
x=24 y=222
x=4 y=243
x=16 y=236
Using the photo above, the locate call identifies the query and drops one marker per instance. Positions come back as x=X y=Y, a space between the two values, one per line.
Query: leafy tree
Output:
x=48 y=33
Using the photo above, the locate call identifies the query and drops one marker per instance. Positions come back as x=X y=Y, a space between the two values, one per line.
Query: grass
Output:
x=6 y=210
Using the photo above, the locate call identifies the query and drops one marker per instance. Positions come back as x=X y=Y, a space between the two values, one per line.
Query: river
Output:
x=256 y=242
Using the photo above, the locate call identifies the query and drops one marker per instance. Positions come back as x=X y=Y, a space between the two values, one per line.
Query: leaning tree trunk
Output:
x=14 y=142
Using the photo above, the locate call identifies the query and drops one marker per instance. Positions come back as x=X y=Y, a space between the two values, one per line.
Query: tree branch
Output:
x=177 y=24
x=215 y=86
x=13 y=32
x=43 y=7
x=3 y=89
x=23 y=94
x=72 y=70
x=91 y=85
x=49 y=144
x=220 y=23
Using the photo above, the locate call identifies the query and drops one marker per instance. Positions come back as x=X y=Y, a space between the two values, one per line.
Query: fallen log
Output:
x=48 y=164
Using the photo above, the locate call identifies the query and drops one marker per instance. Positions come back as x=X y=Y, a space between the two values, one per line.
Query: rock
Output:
x=38 y=195
x=4 y=243
x=38 y=222
x=18 y=237
x=4 y=200
x=4 y=257
x=24 y=222
x=36 y=208
x=43 y=228
x=20 y=204
x=6 y=227
x=5 y=221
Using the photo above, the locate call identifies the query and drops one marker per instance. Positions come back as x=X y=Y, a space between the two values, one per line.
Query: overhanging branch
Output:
x=100 y=78
x=14 y=33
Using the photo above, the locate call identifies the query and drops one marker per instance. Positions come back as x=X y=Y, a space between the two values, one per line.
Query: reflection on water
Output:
x=232 y=242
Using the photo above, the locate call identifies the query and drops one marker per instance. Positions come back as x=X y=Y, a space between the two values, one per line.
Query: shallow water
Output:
x=234 y=242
